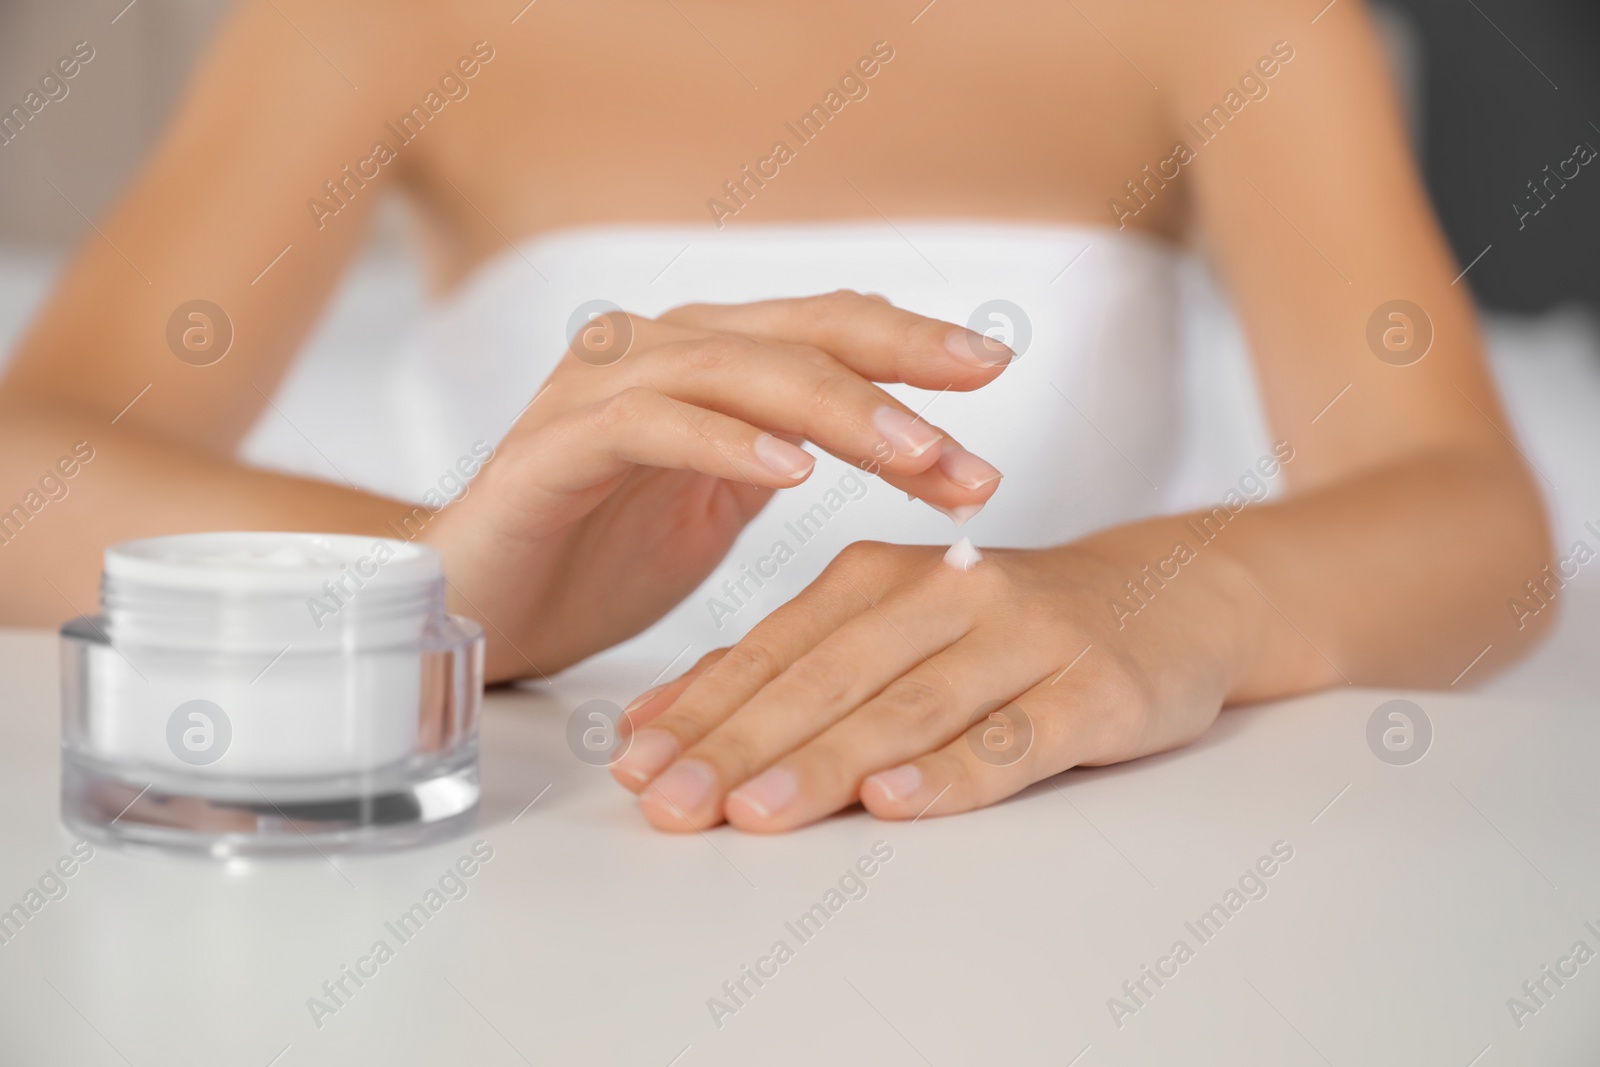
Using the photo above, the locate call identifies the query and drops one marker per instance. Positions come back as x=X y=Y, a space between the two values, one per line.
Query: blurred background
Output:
x=1498 y=90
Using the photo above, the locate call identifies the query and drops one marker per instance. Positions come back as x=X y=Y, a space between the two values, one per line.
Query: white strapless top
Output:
x=1115 y=410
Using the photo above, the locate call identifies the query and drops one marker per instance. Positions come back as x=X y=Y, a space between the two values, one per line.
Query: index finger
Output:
x=866 y=333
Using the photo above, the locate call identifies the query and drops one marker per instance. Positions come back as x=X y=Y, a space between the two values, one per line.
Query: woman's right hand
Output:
x=627 y=478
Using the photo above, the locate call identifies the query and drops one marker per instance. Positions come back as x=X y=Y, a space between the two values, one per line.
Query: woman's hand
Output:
x=654 y=442
x=914 y=686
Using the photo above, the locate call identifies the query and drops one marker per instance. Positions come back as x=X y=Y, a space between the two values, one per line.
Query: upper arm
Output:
x=1310 y=203
x=268 y=120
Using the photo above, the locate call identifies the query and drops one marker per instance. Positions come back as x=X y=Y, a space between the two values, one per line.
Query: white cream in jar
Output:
x=309 y=680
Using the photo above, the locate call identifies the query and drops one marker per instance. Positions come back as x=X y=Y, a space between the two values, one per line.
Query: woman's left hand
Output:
x=916 y=687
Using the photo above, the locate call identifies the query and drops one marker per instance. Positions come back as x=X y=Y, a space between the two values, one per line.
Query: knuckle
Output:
x=710 y=659
x=808 y=354
x=1129 y=689
x=734 y=752
x=623 y=408
x=861 y=555
x=838 y=299
x=1129 y=702
x=995 y=582
x=685 y=313
x=922 y=334
x=916 y=705
x=825 y=680
x=750 y=661
x=690 y=719
x=832 y=767
x=715 y=352
x=832 y=393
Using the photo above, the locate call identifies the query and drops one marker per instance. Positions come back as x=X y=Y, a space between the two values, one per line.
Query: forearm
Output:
x=54 y=526
x=1396 y=576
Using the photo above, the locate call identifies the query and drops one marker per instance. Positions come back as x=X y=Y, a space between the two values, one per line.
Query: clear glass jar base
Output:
x=376 y=813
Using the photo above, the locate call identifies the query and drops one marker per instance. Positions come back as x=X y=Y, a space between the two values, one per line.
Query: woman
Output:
x=555 y=157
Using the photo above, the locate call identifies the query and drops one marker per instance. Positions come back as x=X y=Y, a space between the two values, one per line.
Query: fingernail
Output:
x=644 y=698
x=768 y=792
x=965 y=469
x=780 y=457
x=684 y=786
x=977 y=350
x=897 y=784
x=905 y=433
x=960 y=515
x=650 y=751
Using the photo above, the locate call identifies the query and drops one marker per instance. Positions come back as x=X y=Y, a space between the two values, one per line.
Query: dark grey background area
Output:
x=1509 y=87
x=1503 y=88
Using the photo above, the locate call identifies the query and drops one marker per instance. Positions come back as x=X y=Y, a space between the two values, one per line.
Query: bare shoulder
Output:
x=1297 y=90
x=1207 y=49
x=338 y=55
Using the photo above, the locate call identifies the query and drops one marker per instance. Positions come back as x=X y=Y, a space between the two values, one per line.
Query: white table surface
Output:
x=1415 y=904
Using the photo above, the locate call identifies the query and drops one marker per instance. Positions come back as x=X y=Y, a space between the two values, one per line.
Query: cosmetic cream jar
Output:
x=259 y=692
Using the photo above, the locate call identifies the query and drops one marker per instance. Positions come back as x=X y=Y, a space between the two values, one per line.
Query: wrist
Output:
x=482 y=585
x=1267 y=642
x=1168 y=589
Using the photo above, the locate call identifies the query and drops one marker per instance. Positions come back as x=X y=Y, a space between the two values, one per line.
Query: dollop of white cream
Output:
x=962 y=555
